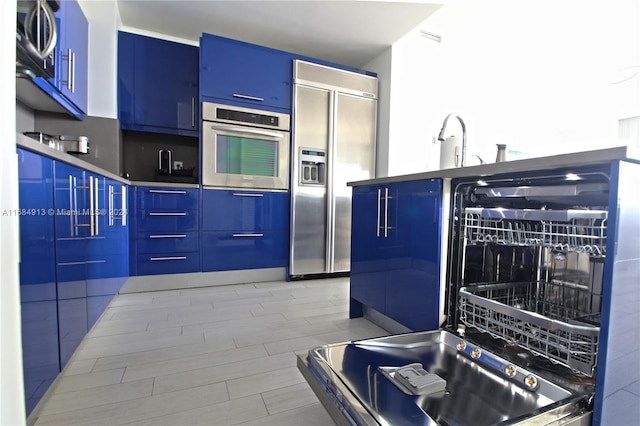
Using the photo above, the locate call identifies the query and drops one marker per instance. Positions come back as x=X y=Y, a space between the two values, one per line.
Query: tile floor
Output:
x=212 y=356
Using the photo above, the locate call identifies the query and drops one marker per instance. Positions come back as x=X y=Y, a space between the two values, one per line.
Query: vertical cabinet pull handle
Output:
x=110 y=206
x=386 y=212
x=73 y=72
x=69 y=71
x=378 y=219
x=92 y=211
x=193 y=111
x=125 y=211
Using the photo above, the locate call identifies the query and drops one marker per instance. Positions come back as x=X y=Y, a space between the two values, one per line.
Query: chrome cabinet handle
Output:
x=110 y=206
x=125 y=210
x=168 y=214
x=193 y=111
x=73 y=72
x=386 y=212
x=247 y=130
x=165 y=191
x=247 y=235
x=168 y=258
x=378 y=219
x=252 y=98
x=96 y=202
x=168 y=236
x=95 y=261
x=68 y=57
x=246 y=194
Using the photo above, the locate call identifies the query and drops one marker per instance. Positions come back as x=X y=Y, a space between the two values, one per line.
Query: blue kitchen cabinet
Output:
x=72 y=222
x=72 y=53
x=157 y=85
x=396 y=252
x=39 y=310
x=242 y=210
x=166 y=230
x=245 y=75
x=244 y=229
x=107 y=258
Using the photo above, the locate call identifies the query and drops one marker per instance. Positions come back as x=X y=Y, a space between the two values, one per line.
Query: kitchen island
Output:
x=396 y=278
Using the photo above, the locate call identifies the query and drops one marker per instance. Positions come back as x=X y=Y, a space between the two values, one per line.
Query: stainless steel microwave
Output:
x=244 y=148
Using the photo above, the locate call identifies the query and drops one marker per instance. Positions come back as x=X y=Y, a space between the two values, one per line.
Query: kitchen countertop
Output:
x=30 y=144
x=541 y=163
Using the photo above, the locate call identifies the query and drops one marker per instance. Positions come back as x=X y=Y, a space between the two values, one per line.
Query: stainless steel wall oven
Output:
x=244 y=148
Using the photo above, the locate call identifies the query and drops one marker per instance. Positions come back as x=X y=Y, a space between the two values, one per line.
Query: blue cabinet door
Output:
x=243 y=210
x=395 y=252
x=413 y=278
x=72 y=224
x=229 y=250
x=157 y=85
x=72 y=63
x=244 y=74
x=367 y=263
x=40 y=349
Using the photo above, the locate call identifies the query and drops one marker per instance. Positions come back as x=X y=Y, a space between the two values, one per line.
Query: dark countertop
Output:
x=30 y=144
x=541 y=163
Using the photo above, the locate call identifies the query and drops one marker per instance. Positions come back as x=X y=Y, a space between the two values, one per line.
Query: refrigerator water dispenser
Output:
x=313 y=166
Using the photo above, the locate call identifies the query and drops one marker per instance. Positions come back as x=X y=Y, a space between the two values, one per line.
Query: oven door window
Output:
x=246 y=156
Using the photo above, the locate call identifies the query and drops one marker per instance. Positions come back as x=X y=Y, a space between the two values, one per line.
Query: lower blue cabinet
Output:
x=40 y=350
x=228 y=250
x=165 y=230
x=395 y=259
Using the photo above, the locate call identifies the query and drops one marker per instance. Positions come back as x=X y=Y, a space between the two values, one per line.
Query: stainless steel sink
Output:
x=481 y=388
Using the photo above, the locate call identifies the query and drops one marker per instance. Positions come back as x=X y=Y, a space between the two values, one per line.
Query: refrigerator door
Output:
x=309 y=202
x=351 y=158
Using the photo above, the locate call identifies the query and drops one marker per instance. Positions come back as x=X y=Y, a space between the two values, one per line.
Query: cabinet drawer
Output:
x=245 y=210
x=166 y=220
x=163 y=242
x=168 y=263
x=167 y=198
x=230 y=250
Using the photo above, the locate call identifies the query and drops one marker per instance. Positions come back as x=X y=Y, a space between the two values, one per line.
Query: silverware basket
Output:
x=582 y=231
x=548 y=319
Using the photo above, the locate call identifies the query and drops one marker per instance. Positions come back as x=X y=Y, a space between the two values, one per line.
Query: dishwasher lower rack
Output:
x=547 y=319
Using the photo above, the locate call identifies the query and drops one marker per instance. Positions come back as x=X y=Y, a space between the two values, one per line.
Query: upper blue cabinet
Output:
x=245 y=75
x=157 y=85
x=73 y=54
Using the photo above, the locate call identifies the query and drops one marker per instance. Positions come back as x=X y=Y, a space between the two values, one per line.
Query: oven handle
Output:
x=246 y=130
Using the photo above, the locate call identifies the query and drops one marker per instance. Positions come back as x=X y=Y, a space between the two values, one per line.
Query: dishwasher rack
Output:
x=582 y=231
x=548 y=319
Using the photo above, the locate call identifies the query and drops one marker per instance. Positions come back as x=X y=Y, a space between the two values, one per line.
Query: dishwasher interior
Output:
x=527 y=267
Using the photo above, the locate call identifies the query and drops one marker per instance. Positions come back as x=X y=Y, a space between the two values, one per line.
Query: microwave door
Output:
x=245 y=157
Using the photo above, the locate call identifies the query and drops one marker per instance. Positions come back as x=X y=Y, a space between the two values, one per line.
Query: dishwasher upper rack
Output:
x=550 y=320
x=582 y=231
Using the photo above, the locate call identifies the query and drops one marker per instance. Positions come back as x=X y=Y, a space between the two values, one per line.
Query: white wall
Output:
x=104 y=21
x=543 y=77
x=12 y=410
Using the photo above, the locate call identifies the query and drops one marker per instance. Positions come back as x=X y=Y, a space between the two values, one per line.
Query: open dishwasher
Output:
x=527 y=279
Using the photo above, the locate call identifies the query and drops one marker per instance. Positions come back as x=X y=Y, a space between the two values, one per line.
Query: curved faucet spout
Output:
x=464 y=135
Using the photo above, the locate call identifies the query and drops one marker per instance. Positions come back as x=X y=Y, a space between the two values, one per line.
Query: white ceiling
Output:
x=345 y=32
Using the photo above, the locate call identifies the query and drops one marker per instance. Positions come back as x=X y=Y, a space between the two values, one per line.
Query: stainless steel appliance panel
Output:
x=335 y=114
x=309 y=202
x=353 y=159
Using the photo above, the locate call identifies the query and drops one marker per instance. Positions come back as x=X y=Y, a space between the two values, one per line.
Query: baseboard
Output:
x=146 y=283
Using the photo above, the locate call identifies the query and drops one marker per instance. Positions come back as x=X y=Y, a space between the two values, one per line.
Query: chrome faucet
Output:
x=464 y=135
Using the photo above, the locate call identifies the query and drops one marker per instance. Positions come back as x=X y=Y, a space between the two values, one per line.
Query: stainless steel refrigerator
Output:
x=334 y=133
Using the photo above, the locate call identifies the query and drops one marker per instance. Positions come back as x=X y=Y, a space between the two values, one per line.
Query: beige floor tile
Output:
x=92 y=351
x=140 y=409
x=288 y=398
x=88 y=380
x=309 y=415
x=103 y=395
x=204 y=376
x=210 y=359
x=161 y=354
x=80 y=367
x=264 y=382
x=225 y=413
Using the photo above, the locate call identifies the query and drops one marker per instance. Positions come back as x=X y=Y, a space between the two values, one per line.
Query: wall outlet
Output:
x=177 y=165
